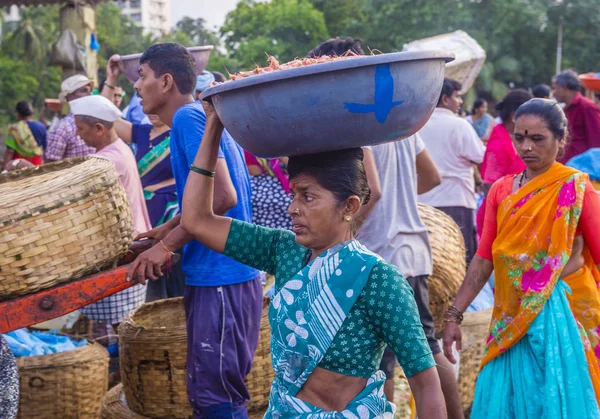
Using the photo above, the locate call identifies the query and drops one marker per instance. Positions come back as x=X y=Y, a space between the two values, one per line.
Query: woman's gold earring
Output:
x=348 y=218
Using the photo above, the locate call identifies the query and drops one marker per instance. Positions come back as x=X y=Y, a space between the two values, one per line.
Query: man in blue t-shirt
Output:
x=223 y=298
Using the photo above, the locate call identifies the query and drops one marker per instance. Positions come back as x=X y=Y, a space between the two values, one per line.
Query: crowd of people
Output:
x=340 y=233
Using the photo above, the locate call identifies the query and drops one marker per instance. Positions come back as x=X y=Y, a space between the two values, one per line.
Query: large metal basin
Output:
x=343 y=104
x=130 y=64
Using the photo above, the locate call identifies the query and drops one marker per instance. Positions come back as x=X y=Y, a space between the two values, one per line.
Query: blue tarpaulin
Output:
x=588 y=162
x=22 y=342
x=485 y=298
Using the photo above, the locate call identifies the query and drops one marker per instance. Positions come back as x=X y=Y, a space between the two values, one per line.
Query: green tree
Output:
x=33 y=34
x=342 y=17
x=519 y=36
x=17 y=83
x=197 y=31
x=283 y=28
x=24 y=70
x=117 y=33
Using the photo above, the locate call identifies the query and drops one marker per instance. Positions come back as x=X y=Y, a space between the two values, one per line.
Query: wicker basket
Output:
x=261 y=375
x=59 y=222
x=449 y=263
x=153 y=350
x=402 y=395
x=64 y=385
x=257 y=414
x=475 y=328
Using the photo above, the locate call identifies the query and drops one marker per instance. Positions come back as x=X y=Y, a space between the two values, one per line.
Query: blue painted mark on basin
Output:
x=383 y=98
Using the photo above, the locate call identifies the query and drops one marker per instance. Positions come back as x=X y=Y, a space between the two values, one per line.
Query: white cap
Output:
x=72 y=84
x=95 y=106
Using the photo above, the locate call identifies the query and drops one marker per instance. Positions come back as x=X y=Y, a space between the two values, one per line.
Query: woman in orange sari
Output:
x=542 y=239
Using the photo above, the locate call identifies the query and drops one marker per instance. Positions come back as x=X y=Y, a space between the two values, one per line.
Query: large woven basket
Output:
x=449 y=264
x=153 y=350
x=475 y=329
x=402 y=395
x=64 y=385
x=59 y=222
x=261 y=375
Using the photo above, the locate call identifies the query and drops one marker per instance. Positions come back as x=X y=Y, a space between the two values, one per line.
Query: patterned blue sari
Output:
x=305 y=316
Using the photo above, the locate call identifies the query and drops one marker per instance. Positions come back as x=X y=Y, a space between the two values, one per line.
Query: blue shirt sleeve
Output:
x=188 y=128
x=186 y=135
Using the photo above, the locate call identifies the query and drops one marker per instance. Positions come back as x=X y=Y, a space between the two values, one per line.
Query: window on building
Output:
x=136 y=17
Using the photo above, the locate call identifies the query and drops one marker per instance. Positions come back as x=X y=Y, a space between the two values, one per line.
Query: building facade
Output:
x=154 y=16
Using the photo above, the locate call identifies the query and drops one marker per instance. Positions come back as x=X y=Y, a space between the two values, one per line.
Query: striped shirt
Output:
x=63 y=141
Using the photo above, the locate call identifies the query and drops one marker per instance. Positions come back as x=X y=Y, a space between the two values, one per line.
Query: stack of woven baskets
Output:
x=59 y=222
x=66 y=385
x=449 y=261
x=153 y=350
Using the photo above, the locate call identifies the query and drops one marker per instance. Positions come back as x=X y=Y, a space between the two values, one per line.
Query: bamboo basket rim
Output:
x=113 y=404
x=29 y=172
x=133 y=320
x=14 y=213
x=63 y=359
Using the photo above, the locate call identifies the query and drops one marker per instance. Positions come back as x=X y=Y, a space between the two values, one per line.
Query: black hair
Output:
x=478 y=104
x=448 y=88
x=341 y=172
x=568 y=79
x=219 y=77
x=91 y=121
x=511 y=103
x=541 y=91
x=172 y=58
x=550 y=112
x=24 y=109
x=336 y=47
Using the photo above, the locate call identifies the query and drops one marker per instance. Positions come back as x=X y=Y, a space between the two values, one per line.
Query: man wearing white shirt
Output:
x=455 y=147
x=396 y=232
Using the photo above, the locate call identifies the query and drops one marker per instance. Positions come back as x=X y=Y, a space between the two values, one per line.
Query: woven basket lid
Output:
x=59 y=222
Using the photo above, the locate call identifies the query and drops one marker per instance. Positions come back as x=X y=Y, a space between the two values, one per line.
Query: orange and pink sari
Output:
x=543 y=351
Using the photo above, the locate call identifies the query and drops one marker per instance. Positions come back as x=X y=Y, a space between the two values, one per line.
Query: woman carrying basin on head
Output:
x=336 y=304
x=540 y=238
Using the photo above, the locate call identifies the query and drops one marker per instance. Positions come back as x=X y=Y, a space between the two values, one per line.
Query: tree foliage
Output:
x=519 y=37
x=283 y=28
x=197 y=31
